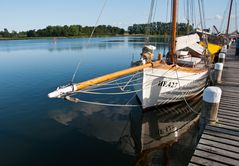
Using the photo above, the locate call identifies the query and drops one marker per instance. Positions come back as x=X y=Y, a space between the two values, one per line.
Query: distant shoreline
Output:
x=58 y=37
x=76 y=37
x=157 y=29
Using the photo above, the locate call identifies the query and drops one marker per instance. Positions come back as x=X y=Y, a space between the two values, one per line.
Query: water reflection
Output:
x=38 y=66
x=163 y=127
x=63 y=44
x=135 y=132
x=167 y=124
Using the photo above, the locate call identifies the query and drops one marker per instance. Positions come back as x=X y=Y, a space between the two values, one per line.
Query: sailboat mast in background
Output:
x=229 y=17
x=173 y=32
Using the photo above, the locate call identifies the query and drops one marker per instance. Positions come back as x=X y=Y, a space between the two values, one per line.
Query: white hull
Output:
x=163 y=86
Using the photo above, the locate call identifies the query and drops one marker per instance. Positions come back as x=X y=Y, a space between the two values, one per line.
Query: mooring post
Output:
x=224 y=49
x=218 y=72
x=211 y=100
x=160 y=57
x=221 y=57
x=237 y=47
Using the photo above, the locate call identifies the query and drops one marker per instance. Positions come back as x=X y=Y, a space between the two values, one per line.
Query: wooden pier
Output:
x=219 y=144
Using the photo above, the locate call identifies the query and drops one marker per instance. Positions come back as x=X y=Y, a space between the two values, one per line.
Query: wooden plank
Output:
x=232 y=100
x=231 y=115
x=215 y=157
x=221 y=135
x=229 y=127
x=223 y=101
x=229 y=99
x=191 y=164
x=223 y=129
x=230 y=121
x=229 y=91
x=229 y=96
x=227 y=119
x=228 y=111
x=221 y=140
x=229 y=105
x=215 y=150
x=202 y=161
x=219 y=145
x=228 y=116
x=225 y=95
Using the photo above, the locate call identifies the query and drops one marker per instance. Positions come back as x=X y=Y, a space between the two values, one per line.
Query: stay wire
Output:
x=148 y=27
x=236 y=26
x=222 y=26
x=96 y=23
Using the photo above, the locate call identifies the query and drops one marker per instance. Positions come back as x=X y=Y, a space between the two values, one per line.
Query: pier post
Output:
x=221 y=57
x=237 y=47
x=211 y=100
x=224 y=49
x=218 y=72
x=160 y=57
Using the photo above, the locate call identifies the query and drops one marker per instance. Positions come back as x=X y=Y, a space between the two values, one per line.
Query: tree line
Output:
x=64 y=31
x=155 y=28
x=159 y=28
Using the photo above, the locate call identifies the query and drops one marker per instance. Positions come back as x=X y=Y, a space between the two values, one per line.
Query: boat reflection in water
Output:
x=143 y=134
x=163 y=127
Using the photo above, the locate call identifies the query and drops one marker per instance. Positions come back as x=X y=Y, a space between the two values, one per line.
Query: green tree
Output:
x=5 y=33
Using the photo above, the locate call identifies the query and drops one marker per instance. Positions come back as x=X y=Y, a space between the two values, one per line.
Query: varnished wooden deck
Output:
x=219 y=144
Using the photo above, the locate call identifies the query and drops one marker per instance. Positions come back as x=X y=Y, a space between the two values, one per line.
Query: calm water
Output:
x=35 y=130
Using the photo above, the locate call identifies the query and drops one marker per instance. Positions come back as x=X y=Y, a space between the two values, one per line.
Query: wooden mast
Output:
x=229 y=17
x=172 y=52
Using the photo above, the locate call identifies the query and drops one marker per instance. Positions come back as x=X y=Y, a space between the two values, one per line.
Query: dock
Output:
x=219 y=144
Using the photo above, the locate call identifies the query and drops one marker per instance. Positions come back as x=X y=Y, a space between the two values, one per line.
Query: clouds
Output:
x=218 y=17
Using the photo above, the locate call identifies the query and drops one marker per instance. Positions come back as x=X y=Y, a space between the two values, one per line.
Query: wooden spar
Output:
x=229 y=17
x=173 y=33
x=111 y=76
x=94 y=81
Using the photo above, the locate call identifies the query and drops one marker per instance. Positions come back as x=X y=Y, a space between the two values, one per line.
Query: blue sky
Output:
x=34 y=14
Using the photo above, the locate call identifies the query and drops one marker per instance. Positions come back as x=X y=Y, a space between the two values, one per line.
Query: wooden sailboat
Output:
x=183 y=76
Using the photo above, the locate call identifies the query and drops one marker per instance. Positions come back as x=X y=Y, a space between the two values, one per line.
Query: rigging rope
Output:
x=236 y=26
x=155 y=10
x=108 y=104
x=222 y=26
x=184 y=96
x=165 y=33
x=148 y=27
x=96 y=23
x=203 y=13
x=200 y=14
x=193 y=13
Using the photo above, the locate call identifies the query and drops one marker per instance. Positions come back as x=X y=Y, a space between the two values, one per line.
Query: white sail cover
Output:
x=197 y=48
x=186 y=41
x=189 y=41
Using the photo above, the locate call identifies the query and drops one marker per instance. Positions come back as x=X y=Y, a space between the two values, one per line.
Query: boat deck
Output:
x=219 y=144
